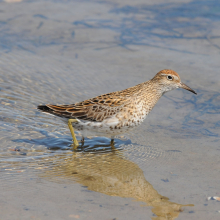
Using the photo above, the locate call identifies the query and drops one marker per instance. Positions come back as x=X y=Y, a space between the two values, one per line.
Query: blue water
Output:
x=62 y=52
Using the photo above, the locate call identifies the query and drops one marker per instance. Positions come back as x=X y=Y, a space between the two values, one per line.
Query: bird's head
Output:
x=168 y=80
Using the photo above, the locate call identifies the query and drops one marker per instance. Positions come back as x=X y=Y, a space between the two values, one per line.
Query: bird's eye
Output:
x=169 y=77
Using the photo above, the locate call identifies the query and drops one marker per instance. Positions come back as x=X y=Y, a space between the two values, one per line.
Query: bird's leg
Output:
x=82 y=140
x=112 y=143
x=70 y=121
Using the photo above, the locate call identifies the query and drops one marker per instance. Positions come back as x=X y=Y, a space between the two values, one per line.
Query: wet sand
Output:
x=64 y=52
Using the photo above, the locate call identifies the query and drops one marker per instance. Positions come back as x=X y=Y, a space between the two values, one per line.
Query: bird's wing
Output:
x=95 y=109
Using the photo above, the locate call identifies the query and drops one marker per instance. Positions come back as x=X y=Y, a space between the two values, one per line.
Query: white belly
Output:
x=108 y=127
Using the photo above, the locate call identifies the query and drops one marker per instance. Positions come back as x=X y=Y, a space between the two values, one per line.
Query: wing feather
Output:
x=95 y=109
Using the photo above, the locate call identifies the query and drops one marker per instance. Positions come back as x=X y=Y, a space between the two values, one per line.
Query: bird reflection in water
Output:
x=110 y=173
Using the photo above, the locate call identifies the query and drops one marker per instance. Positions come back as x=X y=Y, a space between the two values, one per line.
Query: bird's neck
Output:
x=150 y=95
x=144 y=95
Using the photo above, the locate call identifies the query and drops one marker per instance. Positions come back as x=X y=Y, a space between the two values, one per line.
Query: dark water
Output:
x=67 y=51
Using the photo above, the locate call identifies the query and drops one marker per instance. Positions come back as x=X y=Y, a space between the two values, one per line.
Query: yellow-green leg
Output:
x=113 y=143
x=70 y=121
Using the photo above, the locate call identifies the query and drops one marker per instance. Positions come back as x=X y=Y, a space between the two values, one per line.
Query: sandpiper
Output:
x=117 y=112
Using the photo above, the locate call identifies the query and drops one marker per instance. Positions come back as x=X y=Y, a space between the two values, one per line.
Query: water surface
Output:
x=62 y=52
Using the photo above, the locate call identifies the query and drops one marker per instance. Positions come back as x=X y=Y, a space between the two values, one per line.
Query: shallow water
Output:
x=67 y=51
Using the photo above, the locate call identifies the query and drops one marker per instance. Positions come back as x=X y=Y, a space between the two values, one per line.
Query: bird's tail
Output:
x=55 y=110
x=44 y=108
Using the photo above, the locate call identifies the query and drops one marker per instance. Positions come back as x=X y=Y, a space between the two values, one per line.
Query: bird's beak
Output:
x=184 y=86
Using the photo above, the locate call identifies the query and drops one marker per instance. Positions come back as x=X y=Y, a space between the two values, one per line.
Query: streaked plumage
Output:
x=117 y=112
